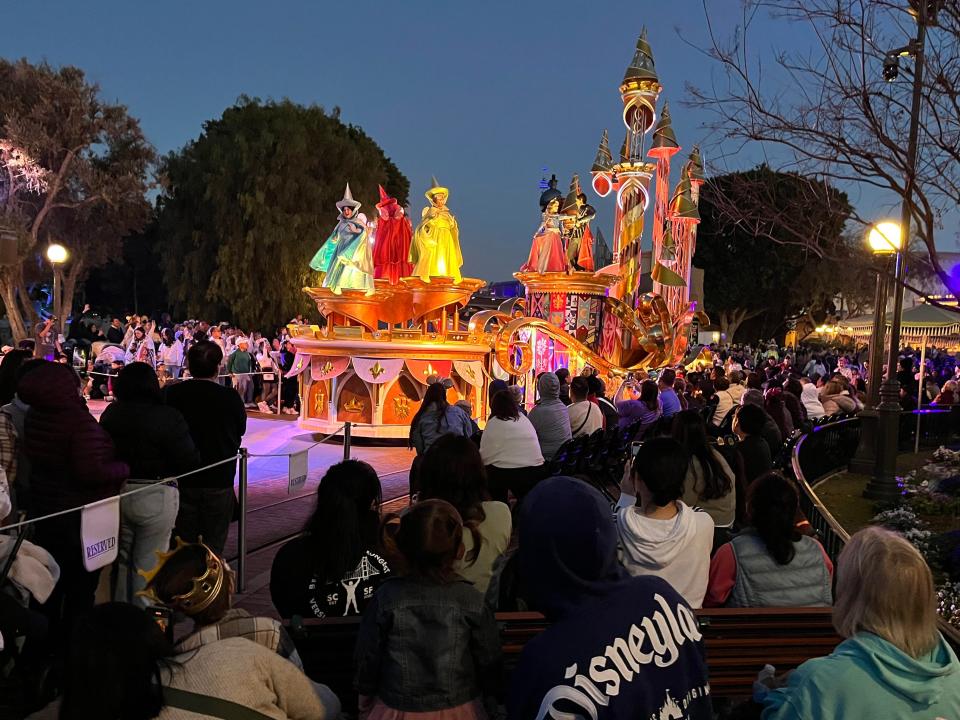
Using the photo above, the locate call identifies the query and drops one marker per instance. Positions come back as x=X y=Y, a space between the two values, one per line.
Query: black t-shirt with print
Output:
x=296 y=590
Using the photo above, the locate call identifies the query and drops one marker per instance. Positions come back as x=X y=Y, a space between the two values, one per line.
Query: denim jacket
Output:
x=426 y=646
x=428 y=430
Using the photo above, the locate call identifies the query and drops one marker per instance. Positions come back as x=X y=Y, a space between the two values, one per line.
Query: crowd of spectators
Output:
x=694 y=523
x=254 y=364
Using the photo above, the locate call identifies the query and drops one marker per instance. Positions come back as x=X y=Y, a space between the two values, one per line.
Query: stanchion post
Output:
x=279 y=377
x=242 y=524
x=920 y=390
x=346 y=440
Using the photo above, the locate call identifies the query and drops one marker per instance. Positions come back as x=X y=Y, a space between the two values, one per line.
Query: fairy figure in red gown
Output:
x=391 y=246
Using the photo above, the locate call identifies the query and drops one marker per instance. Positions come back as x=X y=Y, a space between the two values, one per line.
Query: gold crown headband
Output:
x=204 y=589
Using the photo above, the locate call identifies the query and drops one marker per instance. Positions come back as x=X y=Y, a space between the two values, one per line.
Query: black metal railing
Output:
x=829 y=447
x=935 y=424
x=824 y=450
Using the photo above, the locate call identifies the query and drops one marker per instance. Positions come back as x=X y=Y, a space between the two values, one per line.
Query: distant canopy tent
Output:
x=940 y=326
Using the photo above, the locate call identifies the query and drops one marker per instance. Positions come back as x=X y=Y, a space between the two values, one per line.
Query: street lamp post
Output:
x=883 y=485
x=884 y=240
x=57 y=255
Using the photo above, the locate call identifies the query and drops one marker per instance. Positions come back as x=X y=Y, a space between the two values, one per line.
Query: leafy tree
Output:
x=754 y=269
x=131 y=282
x=89 y=161
x=247 y=204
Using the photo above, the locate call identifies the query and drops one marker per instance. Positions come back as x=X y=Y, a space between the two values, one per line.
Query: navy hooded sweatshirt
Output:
x=617 y=647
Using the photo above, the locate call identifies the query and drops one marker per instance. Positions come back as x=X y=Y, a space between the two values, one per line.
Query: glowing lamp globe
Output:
x=884 y=237
x=57 y=254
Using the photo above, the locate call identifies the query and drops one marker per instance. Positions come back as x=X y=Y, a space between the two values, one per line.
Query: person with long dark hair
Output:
x=792 y=400
x=289 y=389
x=170 y=353
x=710 y=483
x=435 y=418
x=154 y=440
x=510 y=450
x=453 y=470
x=645 y=408
x=334 y=568
x=770 y=564
x=776 y=408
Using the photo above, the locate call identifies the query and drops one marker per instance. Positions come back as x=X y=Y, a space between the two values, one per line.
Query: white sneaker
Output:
x=262 y=407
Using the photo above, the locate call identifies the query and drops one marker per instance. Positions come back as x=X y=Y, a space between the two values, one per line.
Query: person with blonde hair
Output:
x=835 y=398
x=948 y=394
x=894 y=662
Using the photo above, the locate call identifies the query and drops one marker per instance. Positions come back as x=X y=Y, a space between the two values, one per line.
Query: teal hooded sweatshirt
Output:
x=868 y=677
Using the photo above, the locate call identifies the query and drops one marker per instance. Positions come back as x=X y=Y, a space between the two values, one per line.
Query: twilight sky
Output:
x=483 y=95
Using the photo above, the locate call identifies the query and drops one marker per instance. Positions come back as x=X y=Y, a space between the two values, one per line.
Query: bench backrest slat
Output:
x=738 y=643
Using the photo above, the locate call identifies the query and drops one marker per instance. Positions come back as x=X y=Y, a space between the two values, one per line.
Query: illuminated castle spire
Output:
x=642 y=66
x=604 y=160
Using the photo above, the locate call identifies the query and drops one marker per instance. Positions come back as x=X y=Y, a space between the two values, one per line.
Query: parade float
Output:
x=393 y=297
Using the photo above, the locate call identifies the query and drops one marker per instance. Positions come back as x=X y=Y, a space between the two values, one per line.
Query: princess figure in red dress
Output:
x=391 y=247
x=547 y=254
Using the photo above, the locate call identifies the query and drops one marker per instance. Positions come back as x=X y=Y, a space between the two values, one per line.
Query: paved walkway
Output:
x=273 y=513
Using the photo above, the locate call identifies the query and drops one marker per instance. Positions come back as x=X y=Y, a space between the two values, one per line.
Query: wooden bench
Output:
x=739 y=642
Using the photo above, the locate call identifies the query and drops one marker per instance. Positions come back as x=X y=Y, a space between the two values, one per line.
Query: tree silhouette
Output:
x=247 y=204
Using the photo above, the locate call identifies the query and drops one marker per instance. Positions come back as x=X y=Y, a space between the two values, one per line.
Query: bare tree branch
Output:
x=828 y=115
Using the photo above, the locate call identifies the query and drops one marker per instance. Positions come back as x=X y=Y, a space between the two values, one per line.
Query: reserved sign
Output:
x=297 y=473
x=99 y=528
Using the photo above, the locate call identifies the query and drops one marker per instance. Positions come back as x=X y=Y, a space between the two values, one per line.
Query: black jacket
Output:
x=755 y=454
x=115 y=335
x=153 y=440
x=611 y=418
x=217 y=422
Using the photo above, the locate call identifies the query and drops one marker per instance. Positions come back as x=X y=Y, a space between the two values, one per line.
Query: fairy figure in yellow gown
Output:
x=435 y=250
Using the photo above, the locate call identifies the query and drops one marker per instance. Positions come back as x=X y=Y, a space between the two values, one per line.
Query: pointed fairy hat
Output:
x=436 y=189
x=385 y=200
x=348 y=200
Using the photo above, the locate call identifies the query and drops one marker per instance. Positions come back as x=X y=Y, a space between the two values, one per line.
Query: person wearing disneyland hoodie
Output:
x=617 y=646
x=660 y=534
